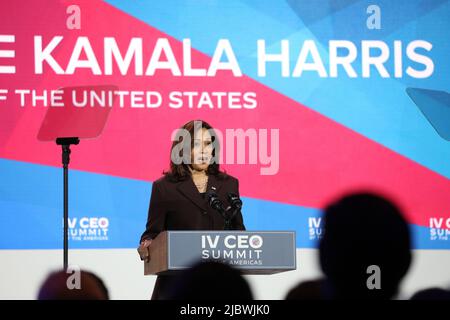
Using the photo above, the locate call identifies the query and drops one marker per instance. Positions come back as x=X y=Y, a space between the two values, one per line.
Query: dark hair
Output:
x=432 y=294
x=181 y=171
x=208 y=281
x=55 y=287
x=364 y=229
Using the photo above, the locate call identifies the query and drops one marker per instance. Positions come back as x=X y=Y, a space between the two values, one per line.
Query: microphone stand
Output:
x=227 y=219
x=65 y=144
x=236 y=205
x=215 y=203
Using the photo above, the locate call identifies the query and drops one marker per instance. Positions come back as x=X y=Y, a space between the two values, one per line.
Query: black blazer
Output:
x=177 y=205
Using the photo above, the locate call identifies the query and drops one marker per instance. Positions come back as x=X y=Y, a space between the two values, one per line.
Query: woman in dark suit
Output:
x=178 y=200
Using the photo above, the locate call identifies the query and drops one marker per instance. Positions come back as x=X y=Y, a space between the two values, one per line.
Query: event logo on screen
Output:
x=88 y=229
x=439 y=229
x=233 y=249
x=316 y=229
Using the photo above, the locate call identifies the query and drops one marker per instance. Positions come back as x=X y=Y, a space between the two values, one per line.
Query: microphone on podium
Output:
x=235 y=201
x=214 y=201
x=217 y=204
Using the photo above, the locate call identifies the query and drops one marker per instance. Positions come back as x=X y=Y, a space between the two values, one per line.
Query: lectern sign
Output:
x=251 y=251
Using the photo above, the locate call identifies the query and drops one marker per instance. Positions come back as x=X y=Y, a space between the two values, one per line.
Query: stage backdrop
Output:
x=313 y=99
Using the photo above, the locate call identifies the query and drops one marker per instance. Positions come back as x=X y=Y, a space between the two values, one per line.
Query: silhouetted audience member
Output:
x=362 y=230
x=432 y=294
x=208 y=281
x=307 y=290
x=55 y=287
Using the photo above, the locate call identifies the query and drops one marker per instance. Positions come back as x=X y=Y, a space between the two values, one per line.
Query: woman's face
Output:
x=201 y=153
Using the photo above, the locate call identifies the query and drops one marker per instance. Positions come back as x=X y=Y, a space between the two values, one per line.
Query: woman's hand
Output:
x=144 y=250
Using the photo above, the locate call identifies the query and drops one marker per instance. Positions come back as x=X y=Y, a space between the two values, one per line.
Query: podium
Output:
x=252 y=252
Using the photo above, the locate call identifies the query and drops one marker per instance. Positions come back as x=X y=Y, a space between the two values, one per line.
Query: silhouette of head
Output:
x=209 y=281
x=307 y=290
x=363 y=230
x=55 y=287
x=432 y=294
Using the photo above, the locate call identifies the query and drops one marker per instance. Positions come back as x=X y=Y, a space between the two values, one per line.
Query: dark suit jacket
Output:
x=179 y=206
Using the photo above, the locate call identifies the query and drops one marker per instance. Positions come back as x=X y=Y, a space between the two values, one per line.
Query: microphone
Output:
x=214 y=201
x=235 y=201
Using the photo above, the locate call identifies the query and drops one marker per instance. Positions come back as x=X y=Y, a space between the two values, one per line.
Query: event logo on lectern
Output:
x=233 y=249
x=88 y=228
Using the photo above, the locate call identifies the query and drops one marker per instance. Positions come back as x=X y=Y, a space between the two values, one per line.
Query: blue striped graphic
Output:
x=31 y=217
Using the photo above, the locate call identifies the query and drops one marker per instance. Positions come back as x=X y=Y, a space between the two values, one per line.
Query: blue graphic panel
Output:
x=111 y=212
